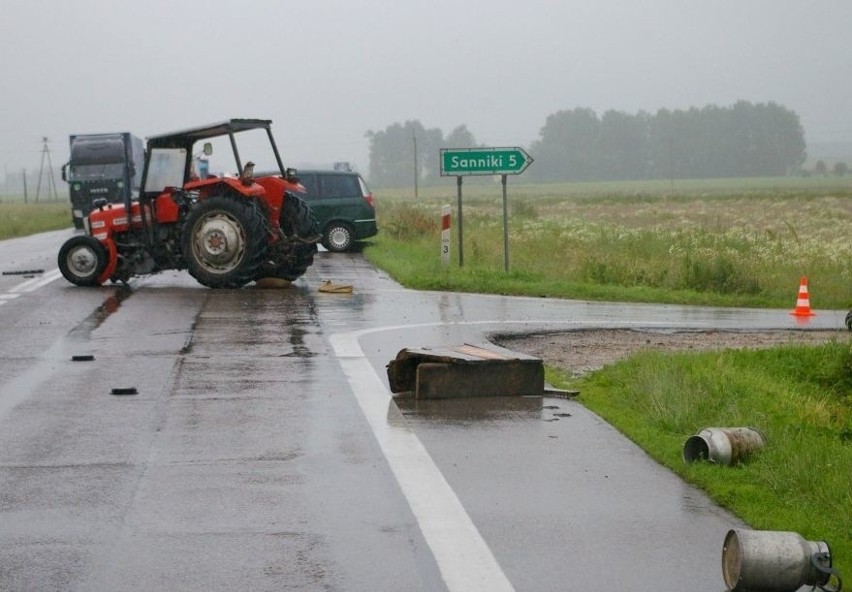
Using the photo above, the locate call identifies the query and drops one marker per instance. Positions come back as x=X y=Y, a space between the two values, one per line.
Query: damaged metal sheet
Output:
x=465 y=370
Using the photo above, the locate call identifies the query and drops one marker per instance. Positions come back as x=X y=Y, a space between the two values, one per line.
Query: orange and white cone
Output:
x=803 y=303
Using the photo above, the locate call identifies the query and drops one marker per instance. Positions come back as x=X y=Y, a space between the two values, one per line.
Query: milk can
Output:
x=774 y=561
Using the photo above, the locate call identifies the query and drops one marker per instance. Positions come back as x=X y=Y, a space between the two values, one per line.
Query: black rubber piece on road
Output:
x=83 y=358
x=130 y=390
x=24 y=272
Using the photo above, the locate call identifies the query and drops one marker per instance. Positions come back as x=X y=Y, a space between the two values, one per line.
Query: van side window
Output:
x=337 y=186
x=310 y=183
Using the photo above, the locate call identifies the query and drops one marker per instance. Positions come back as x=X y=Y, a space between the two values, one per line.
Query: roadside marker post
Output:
x=462 y=162
x=445 y=234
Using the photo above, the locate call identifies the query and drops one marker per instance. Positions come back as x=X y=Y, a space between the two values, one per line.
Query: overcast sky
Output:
x=326 y=71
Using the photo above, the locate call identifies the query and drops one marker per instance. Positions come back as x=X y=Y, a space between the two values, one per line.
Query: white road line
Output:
x=464 y=558
x=465 y=561
x=4 y=298
x=36 y=283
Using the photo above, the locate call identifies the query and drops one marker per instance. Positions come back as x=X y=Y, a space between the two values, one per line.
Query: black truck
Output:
x=102 y=166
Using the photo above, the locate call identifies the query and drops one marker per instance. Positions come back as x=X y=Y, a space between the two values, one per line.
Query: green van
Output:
x=343 y=206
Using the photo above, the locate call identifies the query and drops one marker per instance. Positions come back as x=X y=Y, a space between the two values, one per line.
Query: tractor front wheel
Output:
x=303 y=258
x=224 y=241
x=82 y=259
x=297 y=219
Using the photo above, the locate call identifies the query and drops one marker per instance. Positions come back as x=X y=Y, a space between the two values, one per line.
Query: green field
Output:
x=712 y=242
x=687 y=188
x=20 y=219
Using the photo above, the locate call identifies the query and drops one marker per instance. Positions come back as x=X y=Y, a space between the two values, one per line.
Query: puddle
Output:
x=111 y=305
x=471 y=410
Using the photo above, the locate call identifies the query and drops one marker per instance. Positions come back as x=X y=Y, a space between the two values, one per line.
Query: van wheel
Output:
x=338 y=237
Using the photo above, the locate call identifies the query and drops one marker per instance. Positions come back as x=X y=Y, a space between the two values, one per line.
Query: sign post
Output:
x=505 y=226
x=461 y=220
x=461 y=162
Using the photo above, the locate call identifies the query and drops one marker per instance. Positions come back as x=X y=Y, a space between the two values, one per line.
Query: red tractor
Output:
x=226 y=230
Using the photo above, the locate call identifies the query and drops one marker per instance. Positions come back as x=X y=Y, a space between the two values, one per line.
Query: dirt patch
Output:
x=580 y=352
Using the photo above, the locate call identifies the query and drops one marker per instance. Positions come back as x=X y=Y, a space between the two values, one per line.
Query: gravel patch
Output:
x=583 y=351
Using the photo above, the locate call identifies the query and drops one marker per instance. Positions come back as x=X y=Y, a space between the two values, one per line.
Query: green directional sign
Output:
x=484 y=161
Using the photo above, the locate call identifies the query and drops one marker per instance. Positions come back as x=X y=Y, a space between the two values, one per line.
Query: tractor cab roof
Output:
x=186 y=138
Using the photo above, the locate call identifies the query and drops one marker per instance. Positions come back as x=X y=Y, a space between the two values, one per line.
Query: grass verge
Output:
x=799 y=397
x=19 y=219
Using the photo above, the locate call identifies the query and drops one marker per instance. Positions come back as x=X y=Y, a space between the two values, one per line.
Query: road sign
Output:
x=483 y=161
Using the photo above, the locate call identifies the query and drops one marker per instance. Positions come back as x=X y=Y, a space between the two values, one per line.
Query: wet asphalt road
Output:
x=263 y=450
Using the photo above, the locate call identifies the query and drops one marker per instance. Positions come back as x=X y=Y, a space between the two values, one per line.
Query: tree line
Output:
x=392 y=152
x=743 y=140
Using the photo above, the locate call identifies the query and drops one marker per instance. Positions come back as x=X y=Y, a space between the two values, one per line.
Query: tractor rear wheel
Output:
x=82 y=259
x=224 y=241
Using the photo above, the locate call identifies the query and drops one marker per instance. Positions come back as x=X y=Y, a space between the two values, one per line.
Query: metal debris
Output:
x=466 y=370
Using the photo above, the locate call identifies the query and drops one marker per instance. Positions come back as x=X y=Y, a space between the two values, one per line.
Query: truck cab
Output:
x=107 y=166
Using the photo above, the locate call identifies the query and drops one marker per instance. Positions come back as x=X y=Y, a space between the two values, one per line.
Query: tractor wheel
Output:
x=338 y=237
x=82 y=259
x=297 y=218
x=224 y=241
x=849 y=320
x=304 y=259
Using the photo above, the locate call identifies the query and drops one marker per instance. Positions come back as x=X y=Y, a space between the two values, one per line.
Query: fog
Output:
x=326 y=71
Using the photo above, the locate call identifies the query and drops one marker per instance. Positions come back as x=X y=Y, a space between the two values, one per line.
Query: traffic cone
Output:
x=803 y=304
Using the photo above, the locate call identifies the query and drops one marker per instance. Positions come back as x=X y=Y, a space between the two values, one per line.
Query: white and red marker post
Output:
x=445 y=234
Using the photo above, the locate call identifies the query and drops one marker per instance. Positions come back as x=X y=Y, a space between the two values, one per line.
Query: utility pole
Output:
x=51 y=181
